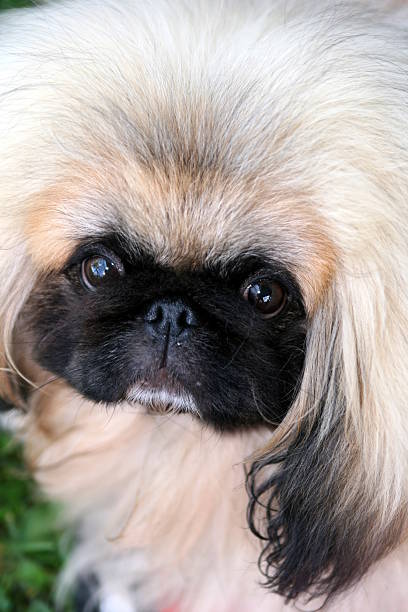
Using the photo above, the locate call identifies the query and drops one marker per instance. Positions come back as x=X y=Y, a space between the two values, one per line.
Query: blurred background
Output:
x=7 y=4
x=32 y=549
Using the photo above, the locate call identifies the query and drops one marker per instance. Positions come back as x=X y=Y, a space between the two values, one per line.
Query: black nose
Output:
x=172 y=317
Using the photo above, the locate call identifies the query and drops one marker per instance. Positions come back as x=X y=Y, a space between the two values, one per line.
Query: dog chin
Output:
x=161 y=400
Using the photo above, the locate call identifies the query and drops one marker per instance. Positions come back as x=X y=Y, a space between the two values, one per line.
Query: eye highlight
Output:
x=99 y=270
x=266 y=296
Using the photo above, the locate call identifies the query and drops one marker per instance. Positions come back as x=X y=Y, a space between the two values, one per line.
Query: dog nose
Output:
x=172 y=317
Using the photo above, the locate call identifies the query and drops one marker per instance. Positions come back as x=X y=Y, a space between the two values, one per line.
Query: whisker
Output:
x=44 y=385
x=257 y=406
x=236 y=353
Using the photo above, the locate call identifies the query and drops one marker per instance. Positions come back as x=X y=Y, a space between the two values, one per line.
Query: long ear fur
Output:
x=16 y=283
x=334 y=488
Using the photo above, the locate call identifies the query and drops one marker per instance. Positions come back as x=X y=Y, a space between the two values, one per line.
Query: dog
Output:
x=203 y=297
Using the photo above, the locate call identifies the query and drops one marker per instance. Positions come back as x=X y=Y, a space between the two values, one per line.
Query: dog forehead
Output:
x=185 y=221
x=189 y=221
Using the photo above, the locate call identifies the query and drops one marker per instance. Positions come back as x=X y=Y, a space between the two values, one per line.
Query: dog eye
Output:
x=98 y=271
x=267 y=297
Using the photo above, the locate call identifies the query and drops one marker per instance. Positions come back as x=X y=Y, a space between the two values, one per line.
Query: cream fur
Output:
x=305 y=110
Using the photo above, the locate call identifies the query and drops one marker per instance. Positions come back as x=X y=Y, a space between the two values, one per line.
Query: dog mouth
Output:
x=161 y=393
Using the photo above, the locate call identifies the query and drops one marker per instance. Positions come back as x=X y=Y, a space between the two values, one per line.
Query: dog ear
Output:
x=15 y=286
x=328 y=495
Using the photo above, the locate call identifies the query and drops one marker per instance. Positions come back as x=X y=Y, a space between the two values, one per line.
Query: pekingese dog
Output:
x=204 y=296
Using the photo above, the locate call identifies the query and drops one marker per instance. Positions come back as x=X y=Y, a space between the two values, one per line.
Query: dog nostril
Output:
x=154 y=314
x=187 y=318
x=170 y=317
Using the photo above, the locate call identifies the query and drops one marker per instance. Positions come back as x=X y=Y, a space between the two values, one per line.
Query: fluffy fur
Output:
x=212 y=130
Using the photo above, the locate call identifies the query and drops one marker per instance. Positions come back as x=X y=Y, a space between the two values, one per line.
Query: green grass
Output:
x=31 y=549
x=6 y=4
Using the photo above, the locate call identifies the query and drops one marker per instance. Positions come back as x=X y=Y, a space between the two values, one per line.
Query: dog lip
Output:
x=161 y=381
x=161 y=392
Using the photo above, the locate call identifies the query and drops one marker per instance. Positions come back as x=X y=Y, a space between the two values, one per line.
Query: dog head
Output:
x=222 y=234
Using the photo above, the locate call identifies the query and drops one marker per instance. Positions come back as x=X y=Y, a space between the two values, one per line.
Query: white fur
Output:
x=308 y=104
x=182 y=402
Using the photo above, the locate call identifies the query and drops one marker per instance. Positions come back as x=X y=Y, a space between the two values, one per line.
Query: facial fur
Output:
x=232 y=366
x=160 y=172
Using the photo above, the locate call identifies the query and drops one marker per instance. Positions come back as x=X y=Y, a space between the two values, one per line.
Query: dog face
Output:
x=190 y=236
x=224 y=340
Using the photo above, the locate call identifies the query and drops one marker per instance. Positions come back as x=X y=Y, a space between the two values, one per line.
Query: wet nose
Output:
x=171 y=317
